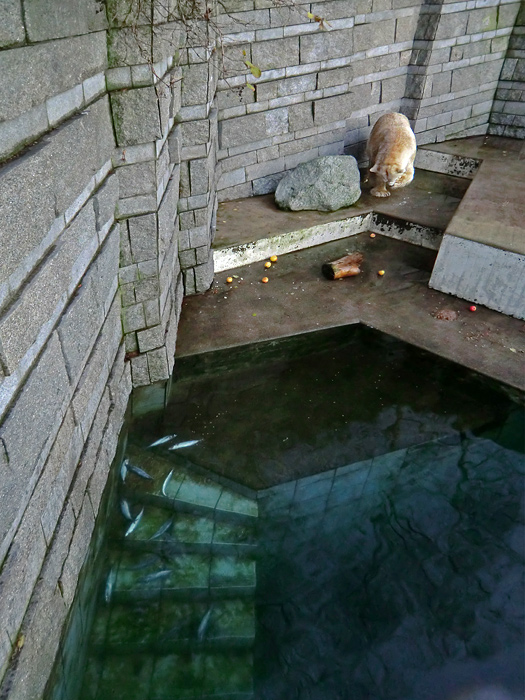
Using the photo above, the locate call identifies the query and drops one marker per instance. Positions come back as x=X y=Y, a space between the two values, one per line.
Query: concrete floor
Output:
x=299 y=299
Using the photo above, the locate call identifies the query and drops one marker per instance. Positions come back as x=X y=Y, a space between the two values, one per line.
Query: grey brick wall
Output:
x=90 y=287
x=507 y=116
x=439 y=63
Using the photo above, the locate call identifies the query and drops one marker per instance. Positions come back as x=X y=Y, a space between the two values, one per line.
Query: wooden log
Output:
x=343 y=267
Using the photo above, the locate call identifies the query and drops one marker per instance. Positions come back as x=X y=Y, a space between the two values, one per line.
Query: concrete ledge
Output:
x=245 y=253
x=482 y=255
x=482 y=274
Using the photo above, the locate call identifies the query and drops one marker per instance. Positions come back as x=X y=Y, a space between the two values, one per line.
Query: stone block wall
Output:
x=89 y=278
x=508 y=114
x=198 y=155
x=321 y=91
x=144 y=86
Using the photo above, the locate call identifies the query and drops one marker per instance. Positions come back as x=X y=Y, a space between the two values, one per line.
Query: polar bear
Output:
x=391 y=150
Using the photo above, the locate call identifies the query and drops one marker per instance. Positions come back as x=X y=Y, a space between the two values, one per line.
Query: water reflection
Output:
x=338 y=516
x=397 y=577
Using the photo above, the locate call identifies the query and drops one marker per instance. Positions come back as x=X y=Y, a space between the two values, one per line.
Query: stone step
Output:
x=190 y=593
x=221 y=672
x=417 y=214
x=173 y=521
x=173 y=477
x=171 y=621
x=183 y=571
x=219 y=646
x=439 y=161
x=163 y=508
x=169 y=549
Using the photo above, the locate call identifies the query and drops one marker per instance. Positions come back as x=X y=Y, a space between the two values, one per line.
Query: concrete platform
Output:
x=299 y=299
x=482 y=256
x=254 y=228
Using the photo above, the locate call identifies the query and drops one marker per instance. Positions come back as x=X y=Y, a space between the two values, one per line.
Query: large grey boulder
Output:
x=325 y=184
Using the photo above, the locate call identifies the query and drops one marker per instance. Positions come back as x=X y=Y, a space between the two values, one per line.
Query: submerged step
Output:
x=172 y=674
x=172 y=621
x=172 y=477
x=182 y=571
x=138 y=503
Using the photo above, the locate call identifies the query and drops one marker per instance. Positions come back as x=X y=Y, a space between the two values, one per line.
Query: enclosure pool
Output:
x=334 y=515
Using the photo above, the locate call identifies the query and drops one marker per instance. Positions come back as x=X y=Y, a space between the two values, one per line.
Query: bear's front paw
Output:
x=378 y=192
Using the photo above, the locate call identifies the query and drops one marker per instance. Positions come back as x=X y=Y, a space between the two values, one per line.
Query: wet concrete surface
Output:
x=298 y=299
x=493 y=211
x=431 y=201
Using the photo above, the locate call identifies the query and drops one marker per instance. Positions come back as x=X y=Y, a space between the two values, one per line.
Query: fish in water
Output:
x=166 y=482
x=124 y=470
x=156 y=576
x=139 y=472
x=124 y=508
x=201 y=632
x=188 y=443
x=162 y=529
x=110 y=584
x=162 y=440
x=134 y=524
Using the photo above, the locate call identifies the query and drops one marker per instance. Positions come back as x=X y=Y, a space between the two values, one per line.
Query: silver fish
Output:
x=162 y=529
x=201 y=632
x=162 y=440
x=155 y=576
x=188 y=443
x=166 y=482
x=124 y=469
x=134 y=524
x=139 y=472
x=124 y=508
x=110 y=584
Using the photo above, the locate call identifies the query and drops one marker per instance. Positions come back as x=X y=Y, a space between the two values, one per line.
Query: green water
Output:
x=338 y=515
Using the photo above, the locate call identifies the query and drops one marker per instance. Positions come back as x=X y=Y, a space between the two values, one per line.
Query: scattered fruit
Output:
x=267 y=264
x=264 y=280
x=472 y=308
x=381 y=273
x=372 y=235
x=273 y=258
x=229 y=280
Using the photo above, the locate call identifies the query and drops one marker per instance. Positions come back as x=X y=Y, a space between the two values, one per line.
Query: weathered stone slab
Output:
x=62 y=165
x=327 y=183
x=366 y=36
x=333 y=109
x=143 y=237
x=46 y=387
x=105 y=201
x=277 y=53
x=47 y=293
x=49 y=19
x=482 y=274
x=319 y=46
x=195 y=84
x=136 y=116
x=29 y=75
x=11 y=24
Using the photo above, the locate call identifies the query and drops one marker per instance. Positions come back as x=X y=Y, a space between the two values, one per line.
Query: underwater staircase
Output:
x=180 y=586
